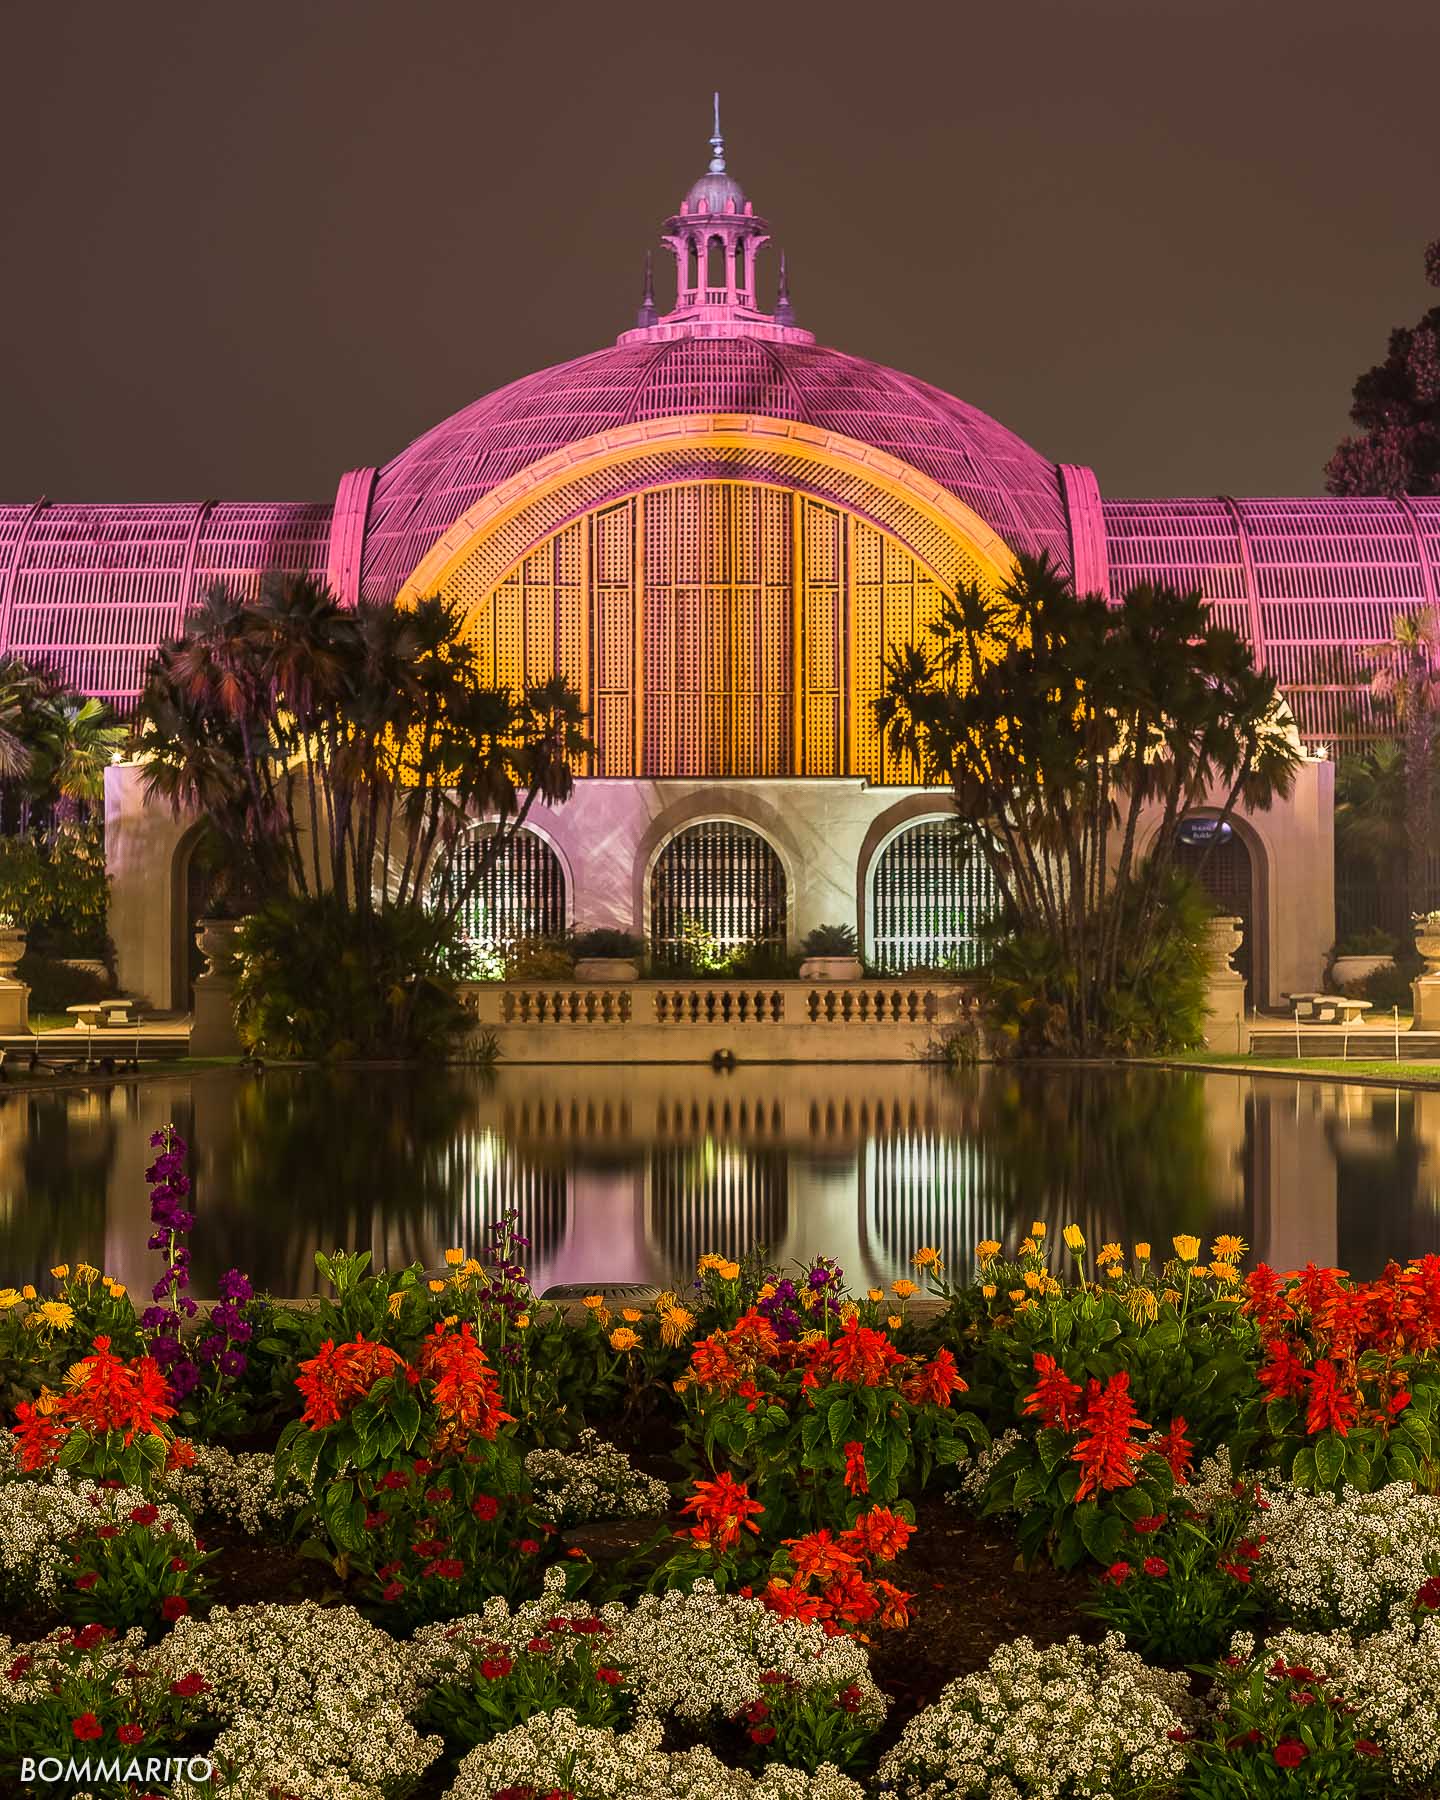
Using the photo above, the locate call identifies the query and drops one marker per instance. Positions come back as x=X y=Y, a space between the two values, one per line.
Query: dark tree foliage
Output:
x=1067 y=729
x=1397 y=407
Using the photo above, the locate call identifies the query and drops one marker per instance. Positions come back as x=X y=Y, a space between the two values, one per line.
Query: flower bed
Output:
x=1120 y=1524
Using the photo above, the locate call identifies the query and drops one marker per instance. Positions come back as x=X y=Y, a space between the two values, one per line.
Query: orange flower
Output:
x=879 y=1534
x=856 y=1479
x=819 y=1556
x=722 y=1508
x=1266 y=1300
x=1056 y=1397
x=713 y=1364
x=894 y=1606
x=466 y=1393
x=339 y=1375
x=111 y=1395
x=1106 y=1452
x=790 y=1601
x=1176 y=1448
x=1281 y=1372
x=935 y=1382
x=39 y=1438
x=860 y=1355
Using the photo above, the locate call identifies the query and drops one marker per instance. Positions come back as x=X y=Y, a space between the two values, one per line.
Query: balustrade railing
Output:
x=861 y=1004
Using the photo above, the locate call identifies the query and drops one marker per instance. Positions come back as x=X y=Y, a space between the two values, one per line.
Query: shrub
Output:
x=46 y=1523
x=594 y=1481
x=1063 y=1723
x=831 y=940
x=1184 y=1584
x=319 y=982
x=1372 y=941
x=604 y=941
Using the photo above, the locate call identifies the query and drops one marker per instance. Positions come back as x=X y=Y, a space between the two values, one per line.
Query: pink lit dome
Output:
x=423 y=490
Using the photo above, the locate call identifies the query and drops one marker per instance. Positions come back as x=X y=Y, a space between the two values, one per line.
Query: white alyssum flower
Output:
x=697 y=1657
x=595 y=1480
x=40 y=1514
x=1354 y=1559
x=1059 y=1723
x=974 y=1474
x=37 y=1678
x=553 y=1750
x=237 y=1488
x=309 y=1699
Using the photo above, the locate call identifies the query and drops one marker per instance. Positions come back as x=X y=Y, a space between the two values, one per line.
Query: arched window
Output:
x=714 y=887
x=521 y=896
x=715 y=264
x=692 y=265
x=740 y=266
x=1226 y=871
x=931 y=894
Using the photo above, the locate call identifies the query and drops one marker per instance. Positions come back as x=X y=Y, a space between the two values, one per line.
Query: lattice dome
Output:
x=421 y=492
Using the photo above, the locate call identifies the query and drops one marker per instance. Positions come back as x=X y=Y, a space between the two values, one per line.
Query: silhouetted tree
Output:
x=1397 y=407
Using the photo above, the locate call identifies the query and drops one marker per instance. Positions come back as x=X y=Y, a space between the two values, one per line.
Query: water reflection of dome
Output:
x=715 y=1197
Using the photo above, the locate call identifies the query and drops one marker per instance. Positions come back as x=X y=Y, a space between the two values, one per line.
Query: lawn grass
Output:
x=1428 y=1072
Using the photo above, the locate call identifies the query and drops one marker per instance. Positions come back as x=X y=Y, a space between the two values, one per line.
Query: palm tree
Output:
x=1408 y=677
x=1370 y=807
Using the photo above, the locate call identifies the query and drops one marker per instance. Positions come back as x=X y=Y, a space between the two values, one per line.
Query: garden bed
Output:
x=1085 y=1525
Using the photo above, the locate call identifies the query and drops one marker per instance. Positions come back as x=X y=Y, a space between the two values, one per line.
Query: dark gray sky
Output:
x=248 y=246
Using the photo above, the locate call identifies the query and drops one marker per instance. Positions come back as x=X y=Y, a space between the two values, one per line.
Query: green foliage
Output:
x=56 y=877
x=1059 y=722
x=831 y=940
x=55 y=985
x=1182 y=1586
x=804 y=1727
x=1370 y=942
x=140 y=1576
x=317 y=981
x=1278 y=1729
x=501 y=1689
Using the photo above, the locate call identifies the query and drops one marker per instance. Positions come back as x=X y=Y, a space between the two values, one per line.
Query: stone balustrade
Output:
x=898 y=1020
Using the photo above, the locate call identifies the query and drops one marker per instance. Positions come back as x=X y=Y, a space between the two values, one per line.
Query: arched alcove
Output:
x=716 y=883
x=522 y=896
x=931 y=893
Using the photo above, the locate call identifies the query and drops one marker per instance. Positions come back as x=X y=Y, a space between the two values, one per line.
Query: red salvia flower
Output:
x=860 y=1355
x=38 y=1436
x=340 y=1375
x=1266 y=1298
x=466 y=1391
x=1056 y=1398
x=722 y=1509
x=879 y=1535
x=1281 y=1372
x=1106 y=1452
x=934 y=1382
x=1177 y=1449
x=819 y=1556
x=1331 y=1407
x=856 y=1480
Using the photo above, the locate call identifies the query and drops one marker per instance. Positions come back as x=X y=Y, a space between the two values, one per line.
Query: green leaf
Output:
x=1329 y=1459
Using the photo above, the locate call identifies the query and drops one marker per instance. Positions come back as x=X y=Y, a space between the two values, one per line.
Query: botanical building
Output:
x=717 y=528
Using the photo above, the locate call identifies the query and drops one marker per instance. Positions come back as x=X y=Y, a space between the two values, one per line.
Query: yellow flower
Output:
x=1052 y=1286
x=1224 y=1272
x=1109 y=1253
x=1037 y=1230
x=1172 y=1296
x=1187 y=1248
x=623 y=1338
x=675 y=1326
x=9 y=1297
x=767 y=1292
x=1033 y=1279
x=848 y=1311
x=894 y=1321
x=523 y=1322
x=989 y=1290
x=436 y=1287
x=1017 y=1293
x=596 y=1302
x=86 y=1272
x=57 y=1313
x=728 y=1271
x=395 y=1302
x=47 y=1399
x=875 y=1295
x=117 y=1290
x=630 y=1316
x=27 y=1292
x=722 y=1266
x=926 y=1258
x=902 y=1290
x=60 y=1271
x=987 y=1250
x=470 y=1266
x=1114 y=1271
x=1141 y=1304
x=1074 y=1239
x=1027 y=1249
x=1228 y=1248
x=1142 y=1252
x=1027 y=1306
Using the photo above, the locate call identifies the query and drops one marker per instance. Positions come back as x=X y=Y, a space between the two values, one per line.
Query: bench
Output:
x=92 y=1013
x=1328 y=1009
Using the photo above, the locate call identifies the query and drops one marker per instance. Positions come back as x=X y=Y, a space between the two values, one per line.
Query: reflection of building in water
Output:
x=714 y=1197
x=490 y=1176
x=943 y=1191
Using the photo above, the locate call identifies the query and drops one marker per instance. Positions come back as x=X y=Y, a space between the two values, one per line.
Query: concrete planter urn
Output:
x=1350 y=971
x=1225 y=1027
x=213 y=1032
x=215 y=940
x=1426 y=988
x=607 y=968
x=1427 y=942
x=831 y=968
x=14 y=994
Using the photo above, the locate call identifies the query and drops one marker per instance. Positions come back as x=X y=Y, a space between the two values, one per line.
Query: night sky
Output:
x=248 y=246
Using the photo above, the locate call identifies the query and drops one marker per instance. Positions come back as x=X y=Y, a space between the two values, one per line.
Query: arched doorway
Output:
x=932 y=893
x=715 y=887
x=519 y=898
x=1226 y=870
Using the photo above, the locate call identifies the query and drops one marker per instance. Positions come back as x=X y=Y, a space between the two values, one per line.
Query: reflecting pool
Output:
x=629 y=1174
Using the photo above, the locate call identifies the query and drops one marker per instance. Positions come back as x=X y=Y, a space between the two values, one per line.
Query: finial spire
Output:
x=647 y=314
x=784 y=311
x=717 y=144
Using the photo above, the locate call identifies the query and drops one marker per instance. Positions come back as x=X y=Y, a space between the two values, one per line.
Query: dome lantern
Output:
x=716 y=238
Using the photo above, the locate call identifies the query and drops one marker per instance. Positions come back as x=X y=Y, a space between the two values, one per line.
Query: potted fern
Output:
x=831 y=954
x=607 y=955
